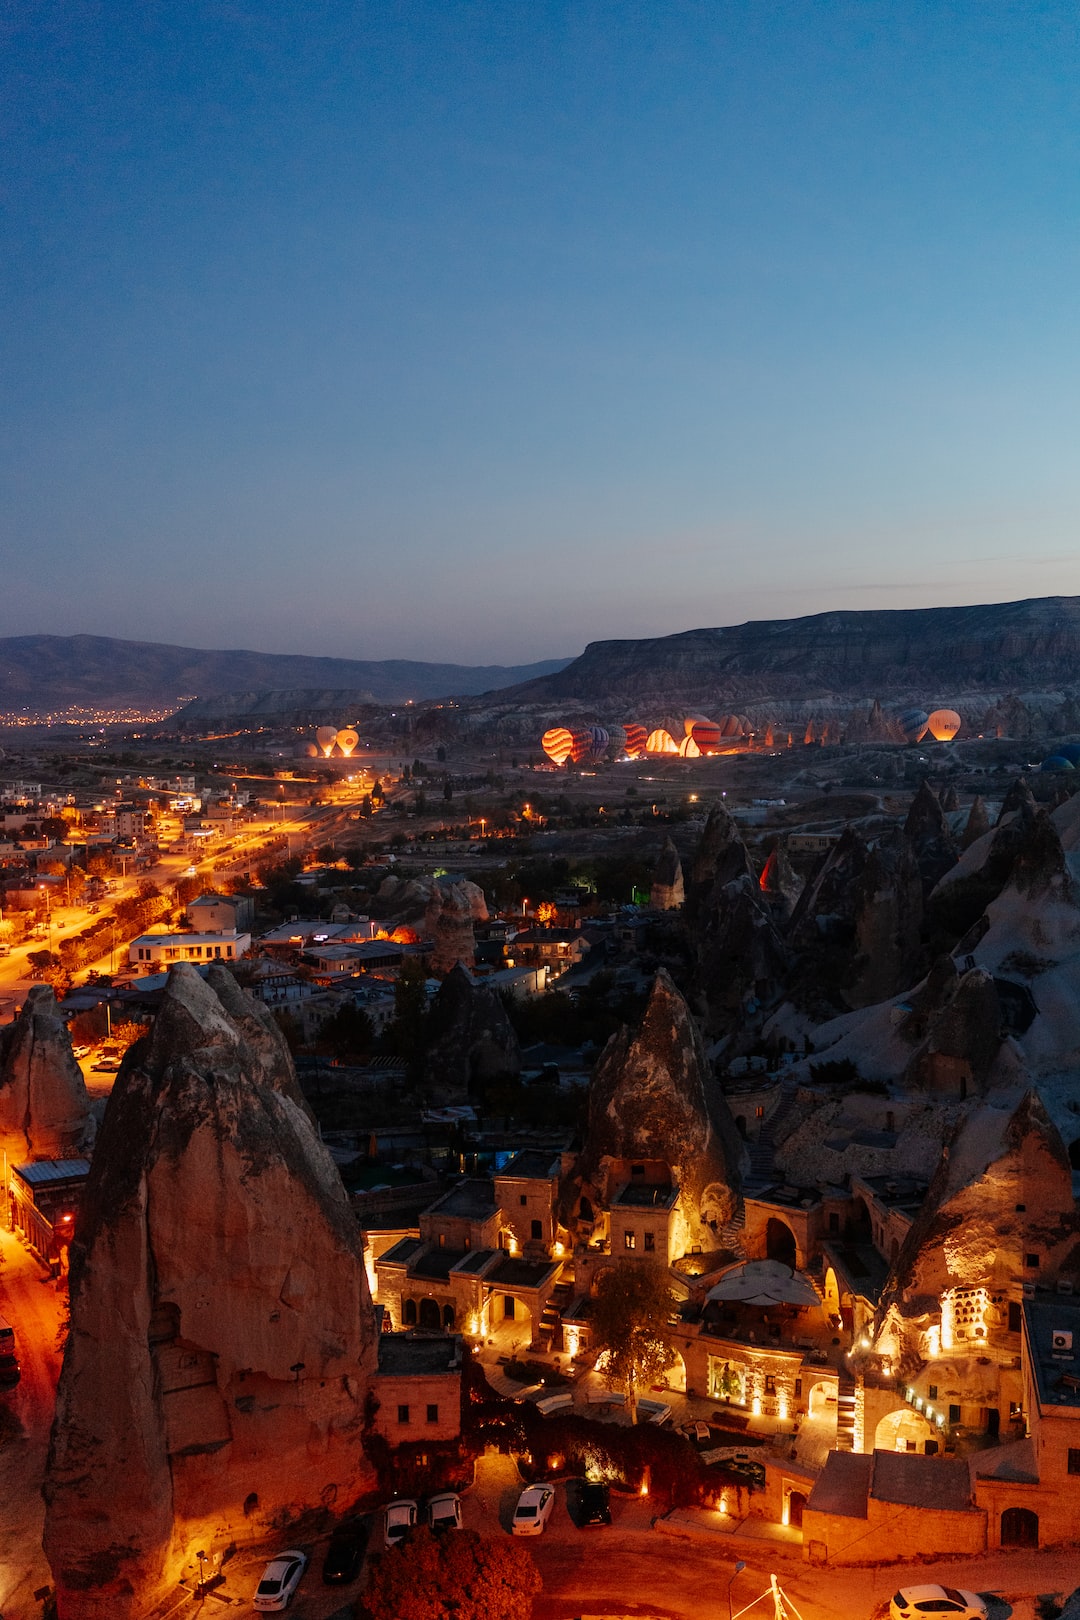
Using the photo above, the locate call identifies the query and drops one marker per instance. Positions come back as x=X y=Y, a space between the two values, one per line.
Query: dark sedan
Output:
x=594 y=1505
x=345 y=1554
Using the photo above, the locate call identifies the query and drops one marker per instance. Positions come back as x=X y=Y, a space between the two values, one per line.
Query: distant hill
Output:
x=1012 y=646
x=39 y=673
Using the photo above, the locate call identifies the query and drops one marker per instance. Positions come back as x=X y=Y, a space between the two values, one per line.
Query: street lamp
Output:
x=739 y=1567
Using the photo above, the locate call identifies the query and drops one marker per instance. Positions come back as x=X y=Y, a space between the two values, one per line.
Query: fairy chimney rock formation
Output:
x=222 y=1336
x=653 y=1102
x=44 y=1108
x=451 y=912
x=667 y=881
x=978 y=823
x=471 y=1039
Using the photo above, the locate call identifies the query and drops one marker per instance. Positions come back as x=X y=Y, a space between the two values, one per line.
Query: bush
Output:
x=462 y=1574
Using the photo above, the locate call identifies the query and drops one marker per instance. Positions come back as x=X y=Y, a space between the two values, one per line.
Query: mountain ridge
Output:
x=843 y=652
x=41 y=672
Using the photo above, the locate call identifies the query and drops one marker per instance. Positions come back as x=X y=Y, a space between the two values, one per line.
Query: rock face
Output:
x=978 y=823
x=221 y=1336
x=653 y=1101
x=1003 y=1190
x=451 y=912
x=928 y=833
x=963 y=1032
x=780 y=884
x=667 y=893
x=720 y=857
x=44 y=1108
x=472 y=1041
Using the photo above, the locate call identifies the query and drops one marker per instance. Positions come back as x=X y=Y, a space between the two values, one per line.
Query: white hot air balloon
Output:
x=326 y=737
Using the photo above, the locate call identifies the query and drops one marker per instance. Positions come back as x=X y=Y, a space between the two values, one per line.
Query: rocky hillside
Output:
x=938 y=652
x=42 y=673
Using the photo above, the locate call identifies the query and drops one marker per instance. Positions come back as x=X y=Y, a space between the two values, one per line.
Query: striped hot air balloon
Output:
x=600 y=739
x=661 y=741
x=705 y=732
x=913 y=724
x=558 y=744
x=688 y=748
x=636 y=739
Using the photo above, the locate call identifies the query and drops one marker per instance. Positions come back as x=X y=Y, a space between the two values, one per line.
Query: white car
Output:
x=533 y=1510
x=929 y=1602
x=444 y=1511
x=400 y=1519
x=281 y=1577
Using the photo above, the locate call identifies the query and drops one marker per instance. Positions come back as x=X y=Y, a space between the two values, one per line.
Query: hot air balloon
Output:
x=1057 y=762
x=661 y=741
x=913 y=724
x=581 y=750
x=1071 y=752
x=617 y=740
x=943 y=725
x=558 y=744
x=688 y=748
x=600 y=739
x=636 y=739
x=705 y=732
x=347 y=741
x=326 y=737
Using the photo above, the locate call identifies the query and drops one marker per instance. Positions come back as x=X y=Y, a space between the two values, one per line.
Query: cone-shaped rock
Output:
x=44 y=1108
x=963 y=1036
x=667 y=880
x=1040 y=866
x=215 y=1374
x=262 y=1032
x=978 y=823
x=471 y=1041
x=1003 y=1189
x=652 y=1101
x=1019 y=799
x=928 y=833
x=780 y=883
x=719 y=858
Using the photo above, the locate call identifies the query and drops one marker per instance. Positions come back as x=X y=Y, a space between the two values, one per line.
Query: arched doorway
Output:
x=430 y=1319
x=1019 y=1528
x=408 y=1314
x=832 y=1293
x=796 y=1502
x=905 y=1430
x=675 y=1375
x=448 y=1318
x=822 y=1401
x=740 y=1124
x=780 y=1242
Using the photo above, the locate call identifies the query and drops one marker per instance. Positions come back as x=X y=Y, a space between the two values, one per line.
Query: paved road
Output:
x=33 y=1307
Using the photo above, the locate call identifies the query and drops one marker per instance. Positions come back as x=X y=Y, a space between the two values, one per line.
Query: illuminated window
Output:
x=629 y=1240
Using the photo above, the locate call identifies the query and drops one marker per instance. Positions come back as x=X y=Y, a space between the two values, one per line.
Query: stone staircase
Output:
x=730 y=1236
x=763 y=1150
x=845 y=1413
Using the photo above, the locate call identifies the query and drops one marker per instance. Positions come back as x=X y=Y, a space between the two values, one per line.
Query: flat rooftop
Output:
x=436 y=1264
x=474 y=1200
x=52 y=1172
x=512 y=1273
x=1052 y=1331
x=403 y=1356
x=401 y=1253
x=636 y=1195
x=533 y=1164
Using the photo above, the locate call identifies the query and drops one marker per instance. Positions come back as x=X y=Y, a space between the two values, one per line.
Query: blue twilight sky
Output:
x=449 y=329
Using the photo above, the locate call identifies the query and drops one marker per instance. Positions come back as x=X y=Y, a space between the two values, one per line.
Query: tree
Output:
x=631 y=1325
x=462 y=1574
x=447 y=792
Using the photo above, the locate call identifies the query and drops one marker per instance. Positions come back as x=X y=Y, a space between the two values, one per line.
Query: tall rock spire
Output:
x=44 y=1108
x=221 y=1327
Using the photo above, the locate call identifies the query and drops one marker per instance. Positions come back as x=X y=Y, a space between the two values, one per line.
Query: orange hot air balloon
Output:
x=558 y=744
x=347 y=741
x=636 y=739
x=944 y=724
x=661 y=742
x=689 y=749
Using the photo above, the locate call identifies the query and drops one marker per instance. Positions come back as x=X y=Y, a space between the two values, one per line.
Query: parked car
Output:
x=281 y=1577
x=533 y=1510
x=594 y=1504
x=345 y=1553
x=916 y=1602
x=10 y=1369
x=444 y=1511
x=105 y=1066
x=400 y=1519
x=81 y=1051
